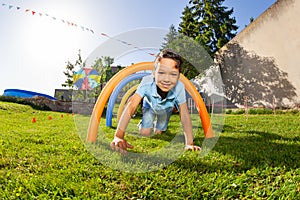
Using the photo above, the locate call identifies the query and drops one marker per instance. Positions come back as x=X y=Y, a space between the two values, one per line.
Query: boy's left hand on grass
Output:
x=192 y=147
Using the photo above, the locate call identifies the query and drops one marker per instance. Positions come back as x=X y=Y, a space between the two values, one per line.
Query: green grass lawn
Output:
x=258 y=158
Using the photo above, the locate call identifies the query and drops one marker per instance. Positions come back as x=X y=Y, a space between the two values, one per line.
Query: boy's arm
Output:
x=187 y=127
x=119 y=143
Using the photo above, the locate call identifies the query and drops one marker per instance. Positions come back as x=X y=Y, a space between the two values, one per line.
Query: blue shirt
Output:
x=147 y=89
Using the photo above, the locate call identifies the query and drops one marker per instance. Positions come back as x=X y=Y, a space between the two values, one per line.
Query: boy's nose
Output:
x=166 y=77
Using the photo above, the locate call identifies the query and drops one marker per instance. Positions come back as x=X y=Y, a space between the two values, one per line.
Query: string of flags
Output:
x=71 y=24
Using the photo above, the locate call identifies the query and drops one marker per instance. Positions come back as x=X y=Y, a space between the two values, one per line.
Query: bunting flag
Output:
x=72 y=24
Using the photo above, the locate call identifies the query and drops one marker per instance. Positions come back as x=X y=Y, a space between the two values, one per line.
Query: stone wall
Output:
x=85 y=108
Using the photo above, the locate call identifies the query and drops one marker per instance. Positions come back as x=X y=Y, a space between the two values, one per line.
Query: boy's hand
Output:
x=192 y=147
x=120 y=145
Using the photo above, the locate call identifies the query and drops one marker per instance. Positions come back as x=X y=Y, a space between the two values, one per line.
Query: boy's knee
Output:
x=145 y=131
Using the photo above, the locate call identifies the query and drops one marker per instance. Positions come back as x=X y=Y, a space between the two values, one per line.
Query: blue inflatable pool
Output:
x=24 y=94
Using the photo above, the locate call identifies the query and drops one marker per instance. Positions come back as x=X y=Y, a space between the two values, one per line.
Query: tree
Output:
x=70 y=71
x=105 y=70
x=170 y=37
x=195 y=58
x=101 y=65
x=209 y=23
x=251 y=20
x=189 y=25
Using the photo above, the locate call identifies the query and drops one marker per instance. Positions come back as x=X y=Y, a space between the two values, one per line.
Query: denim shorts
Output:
x=162 y=119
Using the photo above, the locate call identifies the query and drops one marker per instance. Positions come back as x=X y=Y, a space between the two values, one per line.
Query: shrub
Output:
x=260 y=111
x=24 y=101
x=239 y=111
x=229 y=111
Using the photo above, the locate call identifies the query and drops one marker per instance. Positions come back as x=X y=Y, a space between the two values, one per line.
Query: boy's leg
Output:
x=162 y=122
x=147 y=122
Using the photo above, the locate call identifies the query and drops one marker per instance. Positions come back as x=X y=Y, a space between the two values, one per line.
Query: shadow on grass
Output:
x=146 y=157
x=250 y=149
x=236 y=150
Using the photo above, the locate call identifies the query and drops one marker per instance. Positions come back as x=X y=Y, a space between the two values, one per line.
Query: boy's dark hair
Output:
x=169 y=53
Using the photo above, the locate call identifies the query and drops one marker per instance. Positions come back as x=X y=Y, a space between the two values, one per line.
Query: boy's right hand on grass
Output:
x=120 y=145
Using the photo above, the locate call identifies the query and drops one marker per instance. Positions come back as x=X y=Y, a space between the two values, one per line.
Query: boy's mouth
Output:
x=165 y=86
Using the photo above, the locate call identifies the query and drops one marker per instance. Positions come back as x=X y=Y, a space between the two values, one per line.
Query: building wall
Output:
x=266 y=57
x=63 y=94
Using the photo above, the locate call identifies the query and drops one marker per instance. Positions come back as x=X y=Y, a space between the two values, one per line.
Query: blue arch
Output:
x=114 y=95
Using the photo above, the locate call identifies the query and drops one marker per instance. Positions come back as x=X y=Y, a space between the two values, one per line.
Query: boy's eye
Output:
x=174 y=74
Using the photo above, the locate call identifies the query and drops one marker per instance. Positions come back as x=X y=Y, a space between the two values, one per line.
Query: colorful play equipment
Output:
x=86 y=78
x=117 y=90
x=124 y=100
x=25 y=94
x=143 y=66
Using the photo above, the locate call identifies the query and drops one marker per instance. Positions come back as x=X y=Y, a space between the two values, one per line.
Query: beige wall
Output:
x=271 y=50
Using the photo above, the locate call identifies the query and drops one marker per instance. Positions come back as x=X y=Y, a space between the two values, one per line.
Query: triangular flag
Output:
x=10 y=7
x=33 y=12
x=18 y=8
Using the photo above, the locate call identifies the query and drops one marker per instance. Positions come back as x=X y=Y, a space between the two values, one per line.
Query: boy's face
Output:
x=166 y=75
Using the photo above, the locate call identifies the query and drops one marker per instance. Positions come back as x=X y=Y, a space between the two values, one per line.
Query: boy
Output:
x=160 y=91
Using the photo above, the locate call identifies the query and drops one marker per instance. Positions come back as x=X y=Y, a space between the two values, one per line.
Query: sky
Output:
x=38 y=37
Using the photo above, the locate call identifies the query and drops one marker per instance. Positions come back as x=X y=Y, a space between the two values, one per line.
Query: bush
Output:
x=260 y=111
x=239 y=111
x=24 y=101
x=293 y=111
x=229 y=111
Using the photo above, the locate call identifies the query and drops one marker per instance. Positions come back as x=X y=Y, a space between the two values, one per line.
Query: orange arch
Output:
x=113 y=82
